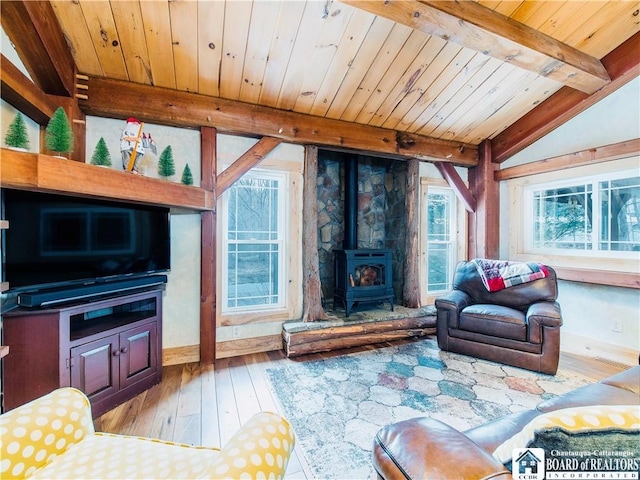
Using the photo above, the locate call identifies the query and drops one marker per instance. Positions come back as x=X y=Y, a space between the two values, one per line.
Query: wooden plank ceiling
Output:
x=404 y=66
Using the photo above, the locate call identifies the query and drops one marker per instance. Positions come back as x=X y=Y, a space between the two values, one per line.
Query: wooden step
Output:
x=300 y=338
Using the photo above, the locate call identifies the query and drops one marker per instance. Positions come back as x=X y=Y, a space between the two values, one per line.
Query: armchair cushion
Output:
x=53 y=437
x=494 y=320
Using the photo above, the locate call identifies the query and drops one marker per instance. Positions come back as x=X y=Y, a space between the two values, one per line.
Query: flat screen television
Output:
x=56 y=242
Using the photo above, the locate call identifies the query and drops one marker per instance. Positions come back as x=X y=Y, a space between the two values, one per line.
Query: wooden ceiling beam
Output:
x=34 y=30
x=479 y=28
x=17 y=90
x=623 y=65
x=242 y=165
x=177 y=108
x=591 y=156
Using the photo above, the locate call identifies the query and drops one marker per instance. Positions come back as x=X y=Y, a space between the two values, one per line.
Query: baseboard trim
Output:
x=589 y=347
x=180 y=355
x=245 y=346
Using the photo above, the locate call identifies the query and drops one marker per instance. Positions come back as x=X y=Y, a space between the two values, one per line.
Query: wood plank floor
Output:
x=201 y=405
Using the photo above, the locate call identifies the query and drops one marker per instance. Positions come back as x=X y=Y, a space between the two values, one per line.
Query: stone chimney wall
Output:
x=381 y=221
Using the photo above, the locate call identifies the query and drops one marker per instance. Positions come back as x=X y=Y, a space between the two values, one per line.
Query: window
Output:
x=254 y=225
x=597 y=214
x=443 y=239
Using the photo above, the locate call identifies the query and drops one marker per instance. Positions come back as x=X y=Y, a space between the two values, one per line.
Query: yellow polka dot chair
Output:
x=53 y=437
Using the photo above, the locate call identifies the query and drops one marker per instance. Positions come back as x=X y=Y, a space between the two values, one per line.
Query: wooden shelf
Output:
x=38 y=172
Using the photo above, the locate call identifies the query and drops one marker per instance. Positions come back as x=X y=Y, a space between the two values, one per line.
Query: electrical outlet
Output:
x=235 y=332
x=616 y=326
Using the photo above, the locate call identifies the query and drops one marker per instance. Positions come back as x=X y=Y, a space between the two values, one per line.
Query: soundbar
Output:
x=43 y=298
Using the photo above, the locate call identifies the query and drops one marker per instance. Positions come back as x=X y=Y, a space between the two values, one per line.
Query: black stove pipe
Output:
x=350 y=241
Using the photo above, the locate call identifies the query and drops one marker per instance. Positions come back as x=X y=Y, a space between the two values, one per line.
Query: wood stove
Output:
x=362 y=275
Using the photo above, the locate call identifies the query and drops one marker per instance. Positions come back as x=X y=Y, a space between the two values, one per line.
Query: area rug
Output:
x=336 y=405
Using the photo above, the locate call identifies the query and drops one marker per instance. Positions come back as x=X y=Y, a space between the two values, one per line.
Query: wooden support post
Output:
x=311 y=289
x=484 y=224
x=411 y=291
x=208 y=276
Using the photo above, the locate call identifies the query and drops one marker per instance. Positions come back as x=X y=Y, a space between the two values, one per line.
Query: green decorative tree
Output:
x=166 y=167
x=101 y=155
x=58 y=135
x=187 y=177
x=17 y=135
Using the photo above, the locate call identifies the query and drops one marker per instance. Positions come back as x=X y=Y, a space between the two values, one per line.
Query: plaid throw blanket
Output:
x=499 y=274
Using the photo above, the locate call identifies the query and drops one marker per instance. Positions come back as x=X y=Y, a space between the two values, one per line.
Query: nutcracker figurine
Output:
x=132 y=145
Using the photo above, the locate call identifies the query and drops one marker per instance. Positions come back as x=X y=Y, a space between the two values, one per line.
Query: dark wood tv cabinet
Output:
x=110 y=348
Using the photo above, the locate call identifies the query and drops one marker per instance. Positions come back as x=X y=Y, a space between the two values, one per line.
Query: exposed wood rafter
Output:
x=176 y=108
x=34 y=30
x=17 y=90
x=571 y=160
x=623 y=65
x=242 y=165
x=449 y=173
x=474 y=26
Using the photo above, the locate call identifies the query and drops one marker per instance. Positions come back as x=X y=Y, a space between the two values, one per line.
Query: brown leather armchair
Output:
x=519 y=325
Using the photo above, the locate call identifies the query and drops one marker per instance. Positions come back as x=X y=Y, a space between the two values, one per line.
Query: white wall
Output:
x=7 y=111
x=181 y=314
x=589 y=311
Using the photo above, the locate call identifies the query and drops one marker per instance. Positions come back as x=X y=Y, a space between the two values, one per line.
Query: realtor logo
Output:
x=527 y=464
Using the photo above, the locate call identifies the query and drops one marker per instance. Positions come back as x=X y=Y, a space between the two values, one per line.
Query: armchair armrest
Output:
x=453 y=300
x=260 y=449
x=542 y=314
x=50 y=424
x=448 y=308
x=427 y=448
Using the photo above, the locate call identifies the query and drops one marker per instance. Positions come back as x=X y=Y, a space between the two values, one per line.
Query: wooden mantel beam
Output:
x=478 y=28
x=117 y=99
x=34 y=30
x=623 y=65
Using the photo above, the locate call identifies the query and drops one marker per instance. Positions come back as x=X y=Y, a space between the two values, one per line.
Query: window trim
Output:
x=428 y=298
x=292 y=308
x=283 y=194
x=594 y=181
x=573 y=266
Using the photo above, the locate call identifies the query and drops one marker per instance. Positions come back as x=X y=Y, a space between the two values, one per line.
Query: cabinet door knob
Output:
x=116 y=353
x=124 y=350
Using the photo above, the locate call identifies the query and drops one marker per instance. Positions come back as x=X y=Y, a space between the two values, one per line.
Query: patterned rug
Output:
x=337 y=405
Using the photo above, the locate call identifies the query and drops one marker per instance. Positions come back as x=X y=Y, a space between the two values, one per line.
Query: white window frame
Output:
x=595 y=241
x=458 y=221
x=520 y=233
x=291 y=256
x=282 y=227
